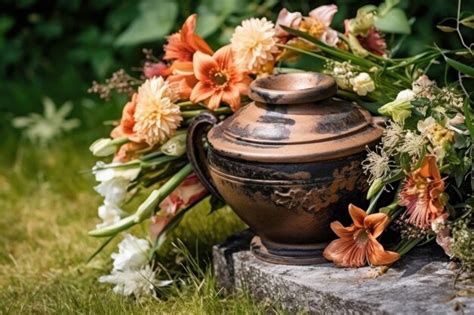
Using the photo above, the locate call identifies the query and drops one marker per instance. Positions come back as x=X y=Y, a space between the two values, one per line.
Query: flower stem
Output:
x=146 y=209
x=219 y=111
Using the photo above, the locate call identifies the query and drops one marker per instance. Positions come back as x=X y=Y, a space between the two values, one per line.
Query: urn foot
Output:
x=271 y=252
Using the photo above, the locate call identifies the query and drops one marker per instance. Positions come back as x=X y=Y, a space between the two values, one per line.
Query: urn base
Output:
x=284 y=254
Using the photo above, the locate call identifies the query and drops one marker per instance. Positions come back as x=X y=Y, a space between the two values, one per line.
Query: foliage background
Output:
x=56 y=48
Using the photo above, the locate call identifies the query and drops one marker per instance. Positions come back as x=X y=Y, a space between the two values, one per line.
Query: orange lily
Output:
x=182 y=72
x=182 y=45
x=421 y=194
x=128 y=150
x=358 y=242
x=219 y=79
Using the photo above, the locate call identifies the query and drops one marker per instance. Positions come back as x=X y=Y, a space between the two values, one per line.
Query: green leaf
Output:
x=394 y=21
x=468 y=22
x=461 y=67
x=208 y=22
x=155 y=21
x=212 y=14
x=104 y=244
x=446 y=29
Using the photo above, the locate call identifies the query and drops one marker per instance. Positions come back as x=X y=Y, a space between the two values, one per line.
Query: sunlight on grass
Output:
x=46 y=209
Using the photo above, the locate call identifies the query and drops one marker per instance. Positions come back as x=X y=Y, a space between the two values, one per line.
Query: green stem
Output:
x=146 y=209
x=219 y=111
x=302 y=51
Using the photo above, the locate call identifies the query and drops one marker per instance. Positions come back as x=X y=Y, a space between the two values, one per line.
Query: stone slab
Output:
x=420 y=283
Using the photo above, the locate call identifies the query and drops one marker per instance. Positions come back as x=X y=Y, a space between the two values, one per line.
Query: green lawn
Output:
x=47 y=206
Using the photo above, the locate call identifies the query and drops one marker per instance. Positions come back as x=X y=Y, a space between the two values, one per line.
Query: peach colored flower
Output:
x=357 y=244
x=219 y=79
x=254 y=45
x=155 y=69
x=187 y=193
x=128 y=151
x=288 y=19
x=421 y=194
x=318 y=22
x=182 y=73
x=127 y=122
x=182 y=45
x=156 y=116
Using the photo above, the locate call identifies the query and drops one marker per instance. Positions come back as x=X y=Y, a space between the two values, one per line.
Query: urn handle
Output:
x=196 y=151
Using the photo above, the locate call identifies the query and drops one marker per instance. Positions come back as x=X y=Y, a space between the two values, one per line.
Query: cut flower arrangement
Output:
x=420 y=174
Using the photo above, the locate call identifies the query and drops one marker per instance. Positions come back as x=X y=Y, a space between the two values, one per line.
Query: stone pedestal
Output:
x=420 y=283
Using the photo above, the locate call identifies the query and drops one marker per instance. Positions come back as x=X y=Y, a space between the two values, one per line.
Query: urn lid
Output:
x=294 y=118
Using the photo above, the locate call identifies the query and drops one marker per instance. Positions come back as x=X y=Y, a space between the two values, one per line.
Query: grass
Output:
x=46 y=209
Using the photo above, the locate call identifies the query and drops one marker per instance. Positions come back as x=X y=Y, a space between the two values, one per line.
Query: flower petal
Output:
x=357 y=215
x=223 y=57
x=376 y=254
x=201 y=92
x=232 y=97
x=341 y=231
x=214 y=101
x=336 y=250
x=376 y=223
x=429 y=168
x=203 y=64
x=324 y=13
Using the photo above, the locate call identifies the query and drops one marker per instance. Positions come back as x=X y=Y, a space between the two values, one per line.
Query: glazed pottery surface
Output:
x=288 y=163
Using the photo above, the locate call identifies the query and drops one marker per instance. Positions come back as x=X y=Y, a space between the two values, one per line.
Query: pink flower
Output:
x=371 y=41
x=187 y=193
x=324 y=15
x=288 y=19
x=158 y=69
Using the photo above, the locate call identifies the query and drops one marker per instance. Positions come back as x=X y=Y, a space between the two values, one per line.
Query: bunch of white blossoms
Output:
x=132 y=273
x=114 y=180
x=348 y=78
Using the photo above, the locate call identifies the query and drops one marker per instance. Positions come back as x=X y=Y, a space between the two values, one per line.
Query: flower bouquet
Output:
x=420 y=174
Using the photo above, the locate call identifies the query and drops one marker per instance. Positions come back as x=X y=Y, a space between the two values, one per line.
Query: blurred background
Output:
x=50 y=52
x=56 y=48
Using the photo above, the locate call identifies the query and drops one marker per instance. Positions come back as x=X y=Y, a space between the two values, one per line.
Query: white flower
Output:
x=254 y=46
x=103 y=147
x=343 y=73
x=137 y=282
x=392 y=135
x=377 y=166
x=405 y=95
x=362 y=84
x=412 y=144
x=104 y=172
x=423 y=87
x=113 y=190
x=109 y=213
x=132 y=254
x=451 y=99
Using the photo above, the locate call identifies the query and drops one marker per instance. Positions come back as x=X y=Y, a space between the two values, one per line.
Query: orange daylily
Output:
x=219 y=79
x=181 y=46
x=358 y=242
x=421 y=194
x=182 y=72
x=128 y=150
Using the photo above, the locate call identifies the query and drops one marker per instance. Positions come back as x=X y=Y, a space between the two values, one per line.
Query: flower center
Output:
x=219 y=78
x=314 y=27
x=361 y=236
